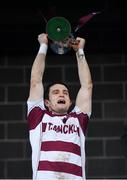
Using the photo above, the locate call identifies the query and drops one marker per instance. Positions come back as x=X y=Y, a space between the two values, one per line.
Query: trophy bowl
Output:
x=59 y=33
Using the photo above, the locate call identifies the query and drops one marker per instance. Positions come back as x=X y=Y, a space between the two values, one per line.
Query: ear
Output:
x=46 y=101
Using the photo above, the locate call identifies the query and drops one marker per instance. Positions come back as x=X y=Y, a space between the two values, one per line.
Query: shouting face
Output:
x=59 y=99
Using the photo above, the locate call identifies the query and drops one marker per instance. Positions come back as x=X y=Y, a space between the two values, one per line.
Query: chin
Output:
x=62 y=111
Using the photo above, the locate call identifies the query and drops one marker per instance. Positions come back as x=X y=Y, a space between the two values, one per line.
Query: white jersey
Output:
x=58 y=143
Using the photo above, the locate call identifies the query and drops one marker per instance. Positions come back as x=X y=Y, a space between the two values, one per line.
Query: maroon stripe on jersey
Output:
x=61 y=146
x=60 y=167
x=35 y=117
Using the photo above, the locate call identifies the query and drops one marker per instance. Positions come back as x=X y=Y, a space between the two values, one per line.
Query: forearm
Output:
x=83 y=70
x=38 y=68
x=39 y=65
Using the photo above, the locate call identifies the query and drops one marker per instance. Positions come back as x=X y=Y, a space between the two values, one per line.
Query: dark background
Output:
x=21 y=22
x=106 y=52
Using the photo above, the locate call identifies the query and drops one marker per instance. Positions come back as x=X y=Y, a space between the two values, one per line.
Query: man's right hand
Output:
x=43 y=38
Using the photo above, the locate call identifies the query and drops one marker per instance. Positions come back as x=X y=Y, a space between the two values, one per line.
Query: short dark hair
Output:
x=47 y=89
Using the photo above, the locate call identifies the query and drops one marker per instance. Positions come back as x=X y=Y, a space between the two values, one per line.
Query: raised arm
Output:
x=84 y=97
x=37 y=71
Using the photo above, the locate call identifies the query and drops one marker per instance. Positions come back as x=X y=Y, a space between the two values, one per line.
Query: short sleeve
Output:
x=32 y=104
x=77 y=110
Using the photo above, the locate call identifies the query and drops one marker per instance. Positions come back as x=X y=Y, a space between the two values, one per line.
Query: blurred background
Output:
x=106 y=52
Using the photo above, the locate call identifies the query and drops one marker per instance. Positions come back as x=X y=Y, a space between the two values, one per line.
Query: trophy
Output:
x=60 y=35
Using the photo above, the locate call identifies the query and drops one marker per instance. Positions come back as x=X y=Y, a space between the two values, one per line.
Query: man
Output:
x=57 y=136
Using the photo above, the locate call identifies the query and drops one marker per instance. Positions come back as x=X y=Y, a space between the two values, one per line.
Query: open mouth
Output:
x=61 y=101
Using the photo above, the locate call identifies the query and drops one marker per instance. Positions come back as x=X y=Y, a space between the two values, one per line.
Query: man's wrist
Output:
x=80 y=51
x=80 y=54
x=43 y=48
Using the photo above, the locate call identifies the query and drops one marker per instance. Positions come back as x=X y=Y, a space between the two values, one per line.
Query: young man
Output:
x=57 y=136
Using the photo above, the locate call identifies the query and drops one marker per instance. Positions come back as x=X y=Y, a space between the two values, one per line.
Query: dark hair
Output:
x=47 y=89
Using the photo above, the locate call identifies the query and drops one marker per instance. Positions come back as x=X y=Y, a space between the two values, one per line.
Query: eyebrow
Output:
x=55 y=90
x=64 y=90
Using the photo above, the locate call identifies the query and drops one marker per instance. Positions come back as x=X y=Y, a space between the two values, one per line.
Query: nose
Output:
x=61 y=94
